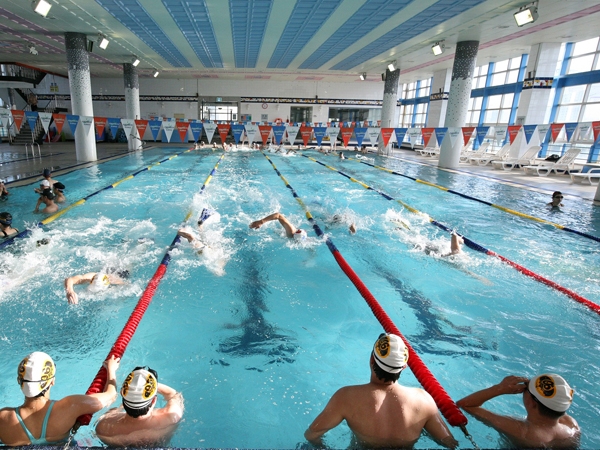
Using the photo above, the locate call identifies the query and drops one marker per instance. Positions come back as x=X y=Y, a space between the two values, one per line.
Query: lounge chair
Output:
x=430 y=151
x=466 y=156
x=587 y=174
x=489 y=157
x=563 y=165
x=525 y=159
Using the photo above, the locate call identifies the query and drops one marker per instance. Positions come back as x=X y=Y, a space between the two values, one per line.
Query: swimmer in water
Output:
x=57 y=190
x=5 y=225
x=290 y=230
x=192 y=237
x=3 y=191
x=46 y=197
x=97 y=282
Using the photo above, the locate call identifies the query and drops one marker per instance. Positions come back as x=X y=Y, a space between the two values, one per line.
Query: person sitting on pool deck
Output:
x=557 y=197
x=97 y=281
x=5 y=225
x=139 y=423
x=50 y=420
x=290 y=230
x=383 y=413
x=46 y=197
x=546 y=398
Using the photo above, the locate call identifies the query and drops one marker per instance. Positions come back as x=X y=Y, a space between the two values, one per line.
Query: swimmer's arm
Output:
x=76 y=279
x=174 y=399
x=329 y=418
x=438 y=430
x=185 y=234
x=37 y=205
x=115 y=279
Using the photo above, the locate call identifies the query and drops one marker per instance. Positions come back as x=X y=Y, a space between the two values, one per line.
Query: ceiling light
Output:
x=42 y=7
x=437 y=48
x=155 y=74
x=33 y=50
x=102 y=41
x=135 y=61
x=391 y=66
x=363 y=76
x=527 y=14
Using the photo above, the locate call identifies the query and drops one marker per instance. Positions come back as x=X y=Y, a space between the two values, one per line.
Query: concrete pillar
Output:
x=458 y=99
x=438 y=99
x=81 y=93
x=389 y=108
x=132 y=101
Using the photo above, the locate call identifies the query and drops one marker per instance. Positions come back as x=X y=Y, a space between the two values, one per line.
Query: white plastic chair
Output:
x=563 y=165
x=489 y=157
x=526 y=158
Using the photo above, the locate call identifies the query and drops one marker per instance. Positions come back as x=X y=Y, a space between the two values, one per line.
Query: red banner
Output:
x=99 y=123
x=596 y=128
x=182 y=128
x=265 y=132
x=346 y=135
x=427 y=134
x=59 y=121
x=141 y=126
x=18 y=116
x=467 y=133
x=306 y=133
x=386 y=134
x=555 y=130
x=513 y=130
x=223 y=129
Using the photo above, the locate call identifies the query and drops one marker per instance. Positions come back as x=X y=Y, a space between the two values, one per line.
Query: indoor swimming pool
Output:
x=260 y=331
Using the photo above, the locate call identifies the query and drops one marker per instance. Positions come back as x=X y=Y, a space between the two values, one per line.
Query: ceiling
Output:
x=284 y=40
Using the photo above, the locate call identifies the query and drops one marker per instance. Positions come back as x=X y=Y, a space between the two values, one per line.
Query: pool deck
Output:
x=18 y=168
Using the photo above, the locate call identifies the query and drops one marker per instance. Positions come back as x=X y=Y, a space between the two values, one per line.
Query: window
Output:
x=579 y=103
x=498 y=109
x=219 y=111
x=424 y=88
x=348 y=115
x=480 y=76
x=409 y=90
x=421 y=114
x=406 y=116
x=301 y=114
x=506 y=72
x=584 y=56
x=474 y=111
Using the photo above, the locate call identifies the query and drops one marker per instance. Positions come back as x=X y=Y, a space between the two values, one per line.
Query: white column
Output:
x=389 y=108
x=438 y=99
x=132 y=101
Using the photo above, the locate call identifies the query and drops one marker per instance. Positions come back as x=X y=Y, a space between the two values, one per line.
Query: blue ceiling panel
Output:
x=249 y=20
x=193 y=20
x=438 y=13
x=370 y=15
x=306 y=19
x=134 y=17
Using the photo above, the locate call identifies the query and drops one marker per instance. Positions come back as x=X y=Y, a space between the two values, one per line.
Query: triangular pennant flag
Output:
x=346 y=135
x=543 y=132
x=373 y=133
x=265 y=132
x=500 y=133
x=332 y=134
x=360 y=132
x=87 y=122
x=223 y=131
x=278 y=132
x=306 y=133
x=513 y=130
x=400 y=133
x=440 y=134
x=529 y=130
x=59 y=121
x=467 y=133
x=413 y=135
x=596 y=130
x=251 y=132
x=292 y=133
x=427 y=134
x=45 y=118
x=128 y=125
x=182 y=129
x=113 y=125
x=210 y=128
x=154 y=125
x=72 y=120
x=196 y=128
x=168 y=127
x=481 y=134
x=386 y=134
x=584 y=129
x=555 y=130
x=237 y=129
x=100 y=124
x=141 y=125
x=319 y=134
x=454 y=133
x=31 y=117
x=570 y=129
x=5 y=117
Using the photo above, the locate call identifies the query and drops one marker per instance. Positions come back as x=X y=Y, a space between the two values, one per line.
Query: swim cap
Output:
x=390 y=353
x=139 y=388
x=46 y=172
x=35 y=373
x=45 y=183
x=552 y=391
x=300 y=235
x=204 y=215
x=48 y=194
x=5 y=219
x=59 y=186
x=99 y=282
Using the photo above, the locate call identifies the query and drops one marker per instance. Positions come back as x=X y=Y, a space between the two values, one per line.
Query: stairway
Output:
x=24 y=135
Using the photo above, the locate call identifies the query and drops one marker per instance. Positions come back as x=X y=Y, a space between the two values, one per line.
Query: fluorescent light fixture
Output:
x=155 y=73
x=42 y=7
x=391 y=66
x=363 y=76
x=135 y=61
x=102 y=41
x=33 y=50
x=437 y=48
x=525 y=15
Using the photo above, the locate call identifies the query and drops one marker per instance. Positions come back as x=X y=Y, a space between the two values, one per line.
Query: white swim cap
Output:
x=300 y=235
x=139 y=388
x=45 y=183
x=390 y=353
x=99 y=282
x=35 y=373
x=552 y=391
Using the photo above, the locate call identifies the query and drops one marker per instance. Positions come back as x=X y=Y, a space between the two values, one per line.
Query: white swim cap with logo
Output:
x=390 y=353
x=99 y=283
x=552 y=391
x=300 y=235
x=35 y=373
x=139 y=389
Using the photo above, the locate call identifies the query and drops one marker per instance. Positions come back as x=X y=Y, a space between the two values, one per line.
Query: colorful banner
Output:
x=413 y=136
x=45 y=118
x=346 y=135
x=454 y=133
x=141 y=125
x=427 y=134
x=265 y=132
x=306 y=133
x=237 y=129
x=113 y=125
x=155 y=126
x=513 y=130
x=360 y=132
x=72 y=120
x=4 y=117
x=555 y=130
x=543 y=133
x=196 y=128
x=440 y=134
x=168 y=127
x=467 y=133
x=128 y=125
x=59 y=121
x=500 y=133
x=320 y=133
x=87 y=122
x=332 y=134
x=182 y=129
x=278 y=132
x=292 y=132
x=584 y=129
x=251 y=132
x=400 y=133
x=481 y=134
x=570 y=129
x=100 y=124
x=386 y=134
x=373 y=134
x=529 y=130
x=31 y=117
x=595 y=128
x=223 y=131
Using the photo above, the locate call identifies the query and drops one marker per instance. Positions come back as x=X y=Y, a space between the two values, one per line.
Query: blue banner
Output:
x=320 y=133
x=481 y=134
x=359 y=133
x=31 y=117
x=570 y=129
x=440 y=134
x=73 y=121
x=237 y=130
x=400 y=133
x=154 y=126
x=278 y=132
x=196 y=128
x=113 y=125
x=529 y=130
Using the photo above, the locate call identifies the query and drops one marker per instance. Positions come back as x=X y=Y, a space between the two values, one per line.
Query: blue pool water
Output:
x=259 y=332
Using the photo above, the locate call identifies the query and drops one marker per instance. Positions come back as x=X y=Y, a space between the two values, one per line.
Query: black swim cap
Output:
x=5 y=219
x=48 y=194
x=58 y=185
x=47 y=172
